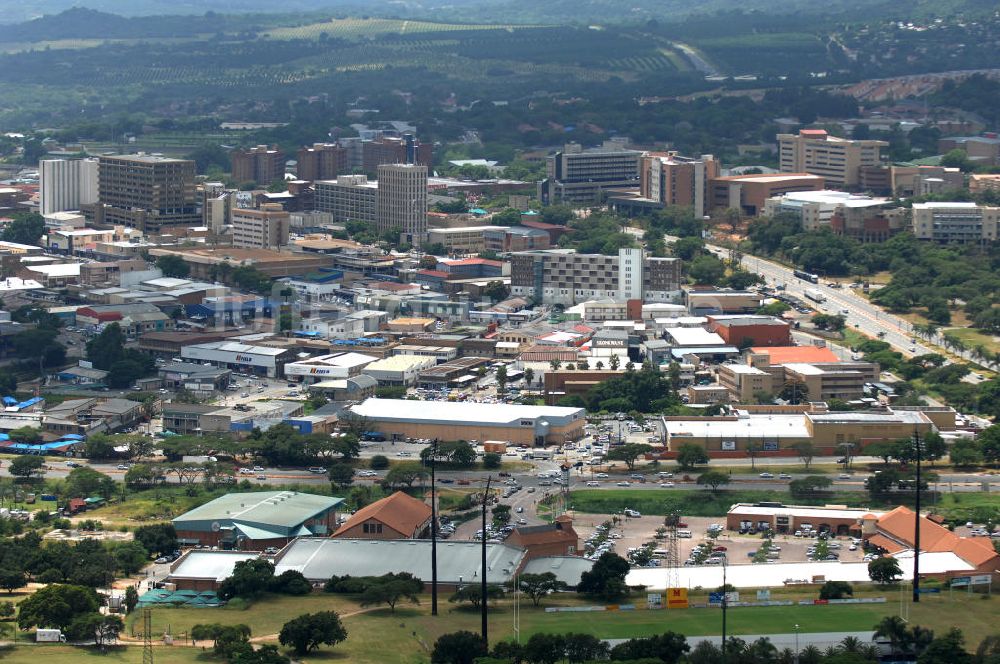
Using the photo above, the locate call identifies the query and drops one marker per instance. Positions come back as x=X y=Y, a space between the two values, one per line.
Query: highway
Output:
x=861 y=313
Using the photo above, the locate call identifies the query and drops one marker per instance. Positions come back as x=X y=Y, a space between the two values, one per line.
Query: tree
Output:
x=27 y=467
x=965 y=452
x=894 y=630
x=290 y=582
x=173 y=265
x=473 y=594
x=706 y=270
x=85 y=482
x=405 y=475
x=501 y=376
x=584 y=648
x=529 y=376
x=836 y=590
x=988 y=442
x=131 y=599
x=537 y=586
x=25 y=228
x=55 y=606
x=947 y=649
x=794 y=392
x=12 y=579
x=249 y=579
x=606 y=579
x=691 y=455
x=391 y=591
x=99 y=446
x=806 y=451
x=341 y=475
x=545 y=648
x=686 y=248
x=462 y=647
x=379 y=462
x=629 y=453
x=312 y=630
x=614 y=362
x=492 y=461
x=809 y=486
x=713 y=479
x=669 y=648
x=157 y=538
x=496 y=291
x=102 y=629
x=884 y=570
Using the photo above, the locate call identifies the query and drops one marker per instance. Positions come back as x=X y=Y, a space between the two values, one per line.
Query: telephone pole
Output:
x=482 y=582
x=916 y=524
x=434 y=532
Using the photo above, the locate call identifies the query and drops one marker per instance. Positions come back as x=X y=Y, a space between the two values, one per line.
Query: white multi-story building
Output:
x=66 y=184
x=955 y=222
x=402 y=201
x=266 y=228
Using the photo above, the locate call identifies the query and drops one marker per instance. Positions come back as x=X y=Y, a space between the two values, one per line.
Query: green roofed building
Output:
x=254 y=521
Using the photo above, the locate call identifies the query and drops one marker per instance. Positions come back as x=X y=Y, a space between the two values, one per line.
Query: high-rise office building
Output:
x=266 y=228
x=838 y=160
x=146 y=192
x=562 y=276
x=348 y=198
x=66 y=184
x=388 y=150
x=321 y=161
x=669 y=179
x=401 y=201
x=575 y=175
x=261 y=164
x=217 y=204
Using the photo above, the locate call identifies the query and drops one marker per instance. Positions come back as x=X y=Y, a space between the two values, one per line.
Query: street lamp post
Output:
x=725 y=602
x=916 y=524
x=796 y=643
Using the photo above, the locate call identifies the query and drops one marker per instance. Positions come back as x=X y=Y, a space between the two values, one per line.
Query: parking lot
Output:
x=633 y=533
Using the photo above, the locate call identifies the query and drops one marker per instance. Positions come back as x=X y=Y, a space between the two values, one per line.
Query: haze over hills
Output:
x=16 y=11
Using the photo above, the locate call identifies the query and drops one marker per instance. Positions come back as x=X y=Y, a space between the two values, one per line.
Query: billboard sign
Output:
x=677 y=598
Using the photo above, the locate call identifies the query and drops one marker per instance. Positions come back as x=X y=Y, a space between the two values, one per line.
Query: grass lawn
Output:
x=406 y=637
x=972 y=338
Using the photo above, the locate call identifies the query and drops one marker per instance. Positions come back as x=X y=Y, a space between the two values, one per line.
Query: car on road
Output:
x=316 y=470
x=123 y=466
x=258 y=469
x=843 y=476
x=271 y=550
x=667 y=485
x=72 y=464
x=522 y=521
x=593 y=483
x=767 y=476
x=623 y=483
x=784 y=476
x=602 y=476
x=262 y=478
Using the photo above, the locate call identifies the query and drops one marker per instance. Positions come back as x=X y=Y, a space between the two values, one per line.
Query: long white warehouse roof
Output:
x=457 y=412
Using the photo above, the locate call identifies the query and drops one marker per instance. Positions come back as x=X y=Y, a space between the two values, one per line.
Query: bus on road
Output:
x=808 y=276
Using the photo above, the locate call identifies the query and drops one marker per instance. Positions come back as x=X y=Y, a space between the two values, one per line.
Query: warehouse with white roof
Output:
x=513 y=423
x=257 y=360
x=328 y=367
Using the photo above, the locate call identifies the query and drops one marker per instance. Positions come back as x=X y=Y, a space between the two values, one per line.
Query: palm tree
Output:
x=851 y=644
x=555 y=364
x=614 y=362
x=529 y=375
x=893 y=629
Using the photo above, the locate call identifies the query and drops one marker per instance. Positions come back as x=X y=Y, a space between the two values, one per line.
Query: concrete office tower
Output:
x=322 y=161
x=266 y=228
x=348 y=198
x=261 y=164
x=402 y=201
x=146 y=192
x=838 y=160
x=388 y=150
x=585 y=176
x=217 y=206
x=66 y=184
x=667 y=178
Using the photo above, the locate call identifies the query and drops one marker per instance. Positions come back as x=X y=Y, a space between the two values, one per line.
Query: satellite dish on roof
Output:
x=216 y=526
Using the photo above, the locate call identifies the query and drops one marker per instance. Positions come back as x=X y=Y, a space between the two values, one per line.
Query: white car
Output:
x=602 y=476
x=593 y=484
x=667 y=485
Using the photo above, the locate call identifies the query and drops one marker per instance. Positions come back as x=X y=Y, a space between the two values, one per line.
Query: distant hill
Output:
x=106 y=16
